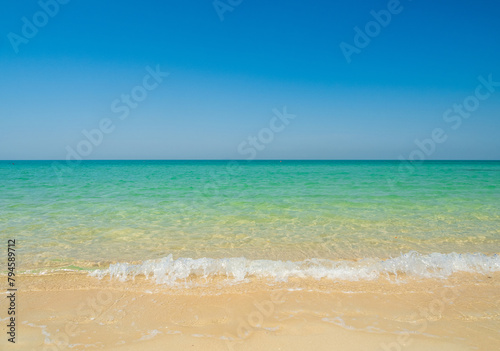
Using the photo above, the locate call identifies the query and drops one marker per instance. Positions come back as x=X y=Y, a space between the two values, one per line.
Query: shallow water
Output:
x=99 y=212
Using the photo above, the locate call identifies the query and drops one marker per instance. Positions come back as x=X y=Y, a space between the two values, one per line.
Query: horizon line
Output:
x=245 y=160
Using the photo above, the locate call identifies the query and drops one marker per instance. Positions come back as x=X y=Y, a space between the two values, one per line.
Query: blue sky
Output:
x=226 y=77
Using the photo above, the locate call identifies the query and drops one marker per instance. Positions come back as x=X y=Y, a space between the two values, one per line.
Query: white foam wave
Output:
x=436 y=265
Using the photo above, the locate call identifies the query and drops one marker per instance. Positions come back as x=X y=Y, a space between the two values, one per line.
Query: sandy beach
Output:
x=72 y=311
x=117 y=257
x=234 y=175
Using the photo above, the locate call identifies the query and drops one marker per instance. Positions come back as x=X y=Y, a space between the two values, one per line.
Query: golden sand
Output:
x=71 y=311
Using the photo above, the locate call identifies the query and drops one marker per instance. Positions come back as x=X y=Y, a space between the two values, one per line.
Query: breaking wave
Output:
x=238 y=269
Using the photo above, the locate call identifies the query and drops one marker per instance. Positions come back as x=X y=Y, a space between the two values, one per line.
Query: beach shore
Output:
x=73 y=311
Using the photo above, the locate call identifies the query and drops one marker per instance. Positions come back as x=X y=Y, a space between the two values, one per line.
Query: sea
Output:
x=274 y=219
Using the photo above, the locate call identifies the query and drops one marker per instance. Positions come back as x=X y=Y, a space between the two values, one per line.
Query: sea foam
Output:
x=237 y=269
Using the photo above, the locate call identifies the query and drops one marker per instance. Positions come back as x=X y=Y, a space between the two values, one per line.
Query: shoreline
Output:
x=73 y=311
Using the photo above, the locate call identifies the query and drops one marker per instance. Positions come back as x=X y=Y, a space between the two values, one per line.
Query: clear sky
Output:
x=232 y=63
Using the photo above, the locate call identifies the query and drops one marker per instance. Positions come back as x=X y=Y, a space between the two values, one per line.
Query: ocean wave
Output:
x=238 y=269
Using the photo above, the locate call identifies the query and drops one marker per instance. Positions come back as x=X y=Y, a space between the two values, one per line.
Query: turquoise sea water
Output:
x=98 y=212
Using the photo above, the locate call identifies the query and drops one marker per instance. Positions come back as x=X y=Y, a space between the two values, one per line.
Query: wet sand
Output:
x=72 y=311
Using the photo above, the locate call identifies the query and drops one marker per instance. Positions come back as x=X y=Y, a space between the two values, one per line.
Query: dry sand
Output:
x=72 y=311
